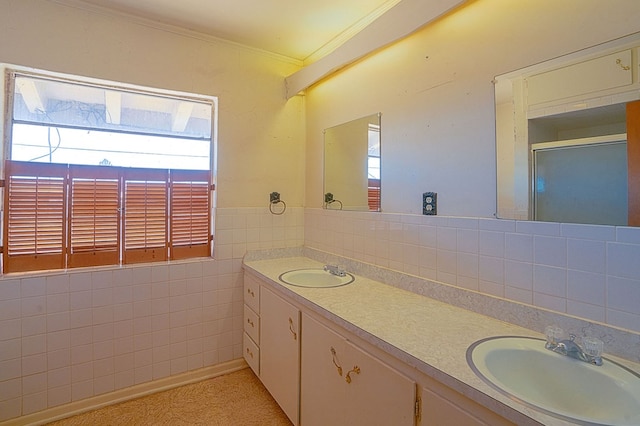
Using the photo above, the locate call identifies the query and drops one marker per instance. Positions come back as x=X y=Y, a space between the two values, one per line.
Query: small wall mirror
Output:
x=352 y=165
x=568 y=138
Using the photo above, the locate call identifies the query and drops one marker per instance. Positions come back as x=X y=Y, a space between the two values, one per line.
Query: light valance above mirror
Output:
x=352 y=165
x=568 y=138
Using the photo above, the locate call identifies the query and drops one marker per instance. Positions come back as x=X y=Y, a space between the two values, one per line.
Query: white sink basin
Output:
x=314 y=278
x=522 y=369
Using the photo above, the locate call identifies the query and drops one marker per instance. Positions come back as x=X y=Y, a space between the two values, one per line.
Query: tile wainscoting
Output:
x=586 y=271
x=66 y=336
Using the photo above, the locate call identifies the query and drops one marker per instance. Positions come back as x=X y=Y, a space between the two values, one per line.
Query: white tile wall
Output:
x=71 y=335
x=589 y=271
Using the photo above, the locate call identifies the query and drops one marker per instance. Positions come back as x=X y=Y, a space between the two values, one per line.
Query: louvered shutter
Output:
x=35 y=218
x=189 y=222
x=94 y=216
x=145 y=215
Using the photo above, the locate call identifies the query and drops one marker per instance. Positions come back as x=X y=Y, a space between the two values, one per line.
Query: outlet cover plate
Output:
x=430 y=203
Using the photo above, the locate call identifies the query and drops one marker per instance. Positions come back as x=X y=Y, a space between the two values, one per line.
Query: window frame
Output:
x=73 y=257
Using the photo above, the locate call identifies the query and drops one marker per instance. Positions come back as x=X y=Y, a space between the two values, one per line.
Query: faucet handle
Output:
x=554 y=335
x=592 y=346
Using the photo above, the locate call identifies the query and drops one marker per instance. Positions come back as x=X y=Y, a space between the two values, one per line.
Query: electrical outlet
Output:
x=430 y=203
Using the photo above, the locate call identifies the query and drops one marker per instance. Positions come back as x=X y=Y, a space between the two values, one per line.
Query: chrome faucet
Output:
x=591 y=352
x=337 y=270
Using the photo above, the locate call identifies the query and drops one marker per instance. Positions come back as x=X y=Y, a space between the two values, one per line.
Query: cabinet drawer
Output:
x=252 y=293
x=251 y=353
x=252 y=324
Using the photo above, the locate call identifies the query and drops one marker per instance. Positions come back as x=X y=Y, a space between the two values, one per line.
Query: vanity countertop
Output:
x=429 y=335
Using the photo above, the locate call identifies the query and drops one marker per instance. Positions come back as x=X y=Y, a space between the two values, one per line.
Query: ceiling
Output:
x=298 y=29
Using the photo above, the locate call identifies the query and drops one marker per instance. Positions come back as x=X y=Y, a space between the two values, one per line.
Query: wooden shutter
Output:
x=94 y=216
x=35 y=216
x=145 y=215
x=374 y=195
x=190 y=224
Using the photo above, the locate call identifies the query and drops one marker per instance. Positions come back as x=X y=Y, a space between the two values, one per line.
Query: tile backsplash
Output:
x=587 y=271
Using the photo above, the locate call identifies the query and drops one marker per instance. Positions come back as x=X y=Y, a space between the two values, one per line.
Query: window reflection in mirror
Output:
x=352 y=165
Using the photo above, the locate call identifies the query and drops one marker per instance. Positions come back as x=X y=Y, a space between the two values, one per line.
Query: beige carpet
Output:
x=238 y=398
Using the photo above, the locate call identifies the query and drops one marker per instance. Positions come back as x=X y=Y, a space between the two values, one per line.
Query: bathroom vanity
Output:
x=369 y=353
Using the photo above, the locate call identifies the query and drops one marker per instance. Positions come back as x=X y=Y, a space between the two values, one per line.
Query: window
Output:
x=104 y=175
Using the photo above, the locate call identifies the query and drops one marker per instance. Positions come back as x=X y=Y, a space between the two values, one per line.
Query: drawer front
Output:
x=252 y=293
x=251 y=353
x=252 y=324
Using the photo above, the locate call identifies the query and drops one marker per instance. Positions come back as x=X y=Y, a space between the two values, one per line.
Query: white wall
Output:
x=256 y=124
x=72 y=335
x=435 y=92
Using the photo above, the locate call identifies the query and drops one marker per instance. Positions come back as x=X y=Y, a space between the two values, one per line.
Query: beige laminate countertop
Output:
x=429 y=335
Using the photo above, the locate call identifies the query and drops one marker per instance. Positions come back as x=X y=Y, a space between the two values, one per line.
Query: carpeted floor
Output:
x=238 y=398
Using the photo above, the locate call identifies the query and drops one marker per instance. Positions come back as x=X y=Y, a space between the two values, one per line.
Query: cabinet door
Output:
x=633 y=162
x=446 y=407
x=606 y=72
x=322 y=388
x=378 y=394
x=344 y=385
x=280 y=351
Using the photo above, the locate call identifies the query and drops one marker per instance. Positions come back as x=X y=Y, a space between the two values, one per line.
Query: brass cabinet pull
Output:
x=291 y=329
x=333 y=354
x=621 y=65
x=355 y=369
x=249 y=291
x=250 y=353
x=250 y=322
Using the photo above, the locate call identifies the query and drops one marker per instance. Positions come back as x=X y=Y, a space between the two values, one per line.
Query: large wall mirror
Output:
x=352 y=165
x=568 y=138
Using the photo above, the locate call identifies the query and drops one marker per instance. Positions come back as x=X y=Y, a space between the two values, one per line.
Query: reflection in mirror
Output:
x=568 y=139
x=352 y=165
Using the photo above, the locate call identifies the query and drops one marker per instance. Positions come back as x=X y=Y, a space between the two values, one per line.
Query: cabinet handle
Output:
x=355 y=369
x=621 y=65
x=333 y=355
x=250 y=353
x=250 y=292
x=295 y=335
x=250 y=322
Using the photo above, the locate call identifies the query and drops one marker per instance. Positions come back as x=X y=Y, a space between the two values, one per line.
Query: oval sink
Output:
x=522 y=369
x=314 y=278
